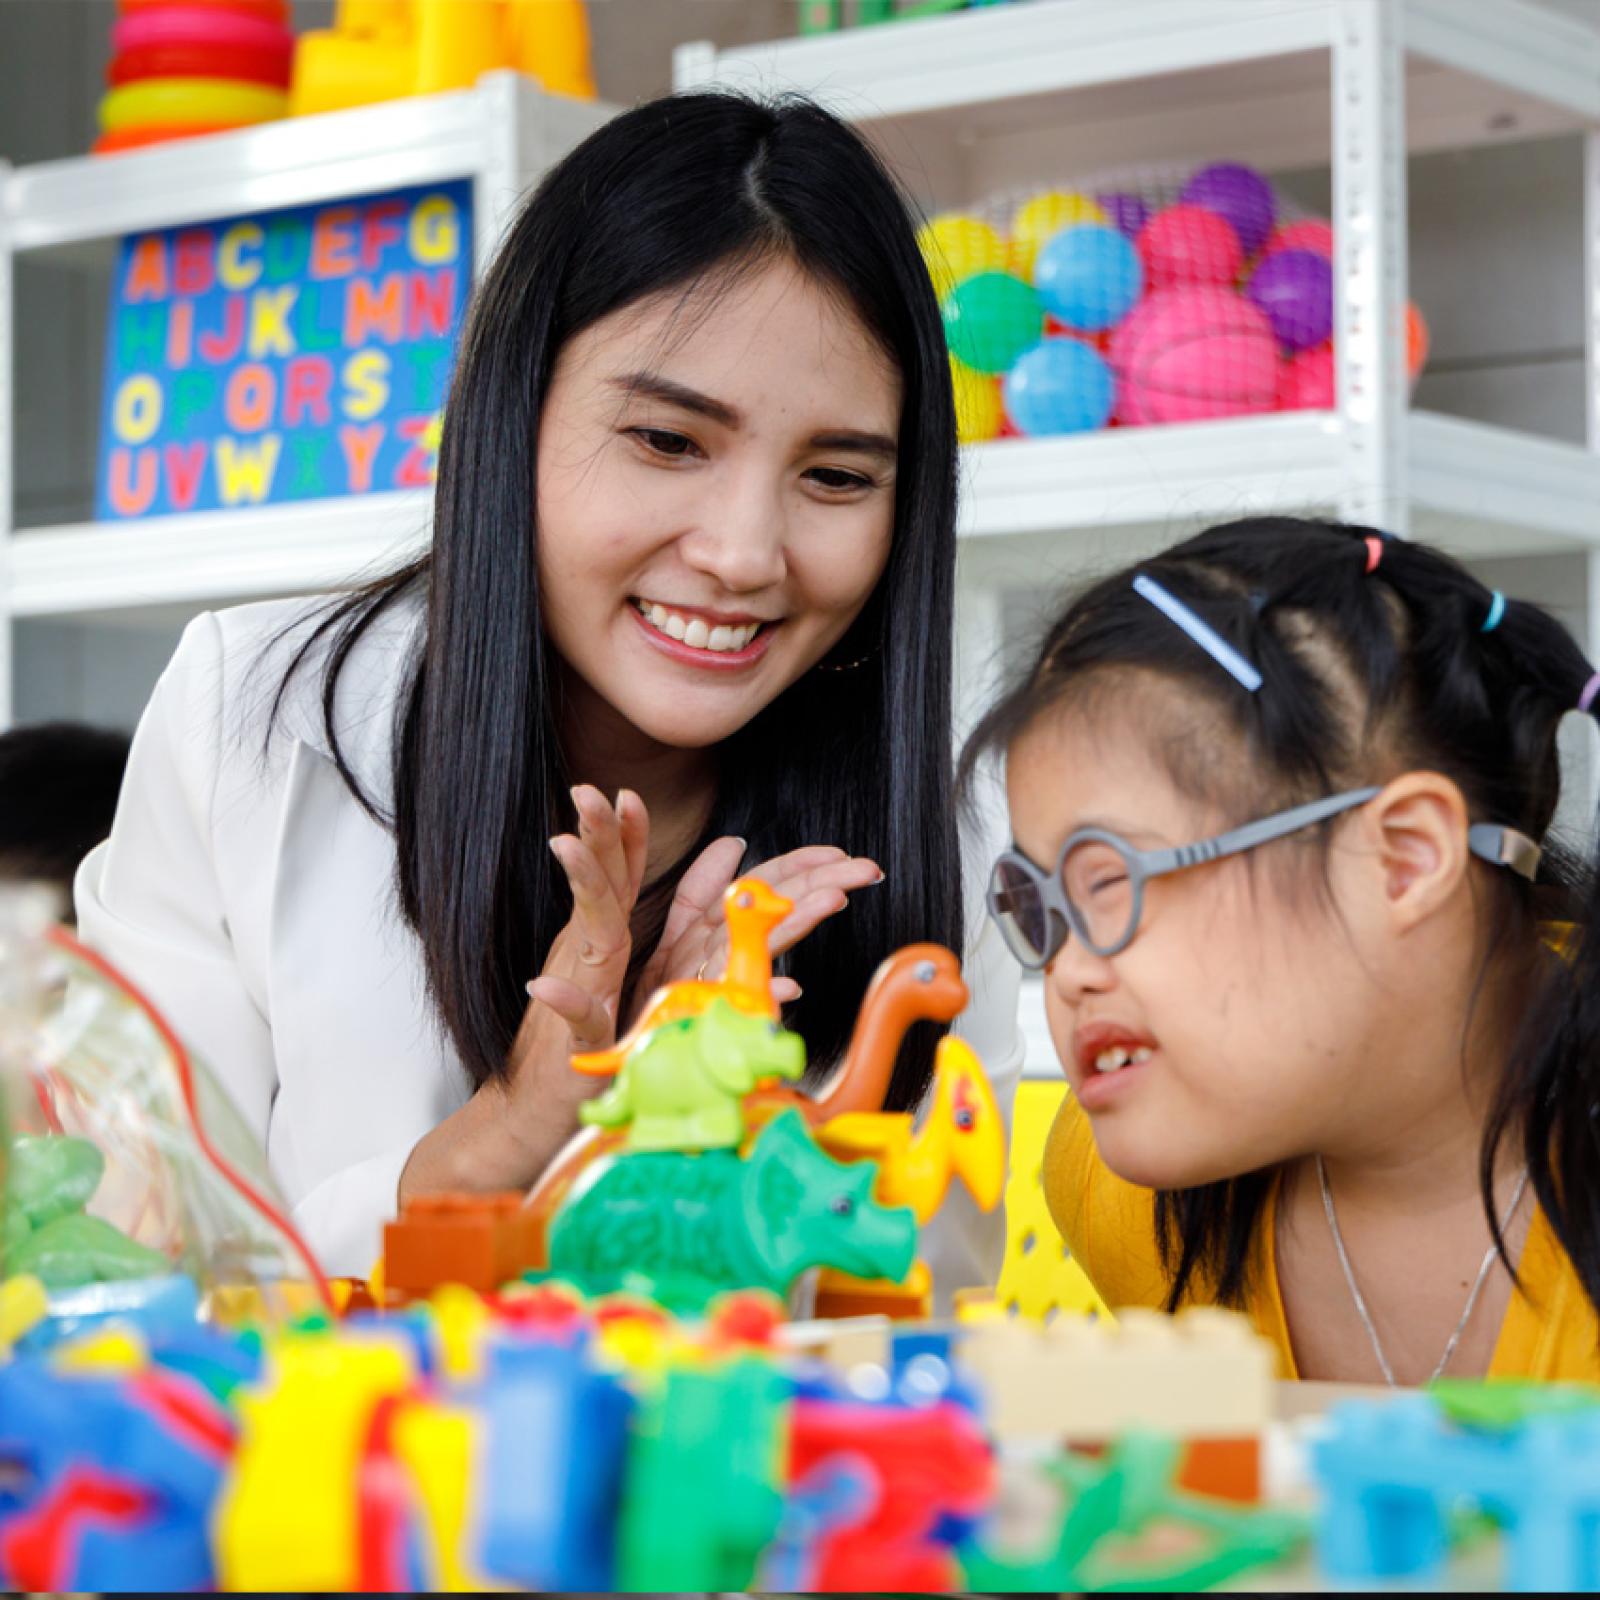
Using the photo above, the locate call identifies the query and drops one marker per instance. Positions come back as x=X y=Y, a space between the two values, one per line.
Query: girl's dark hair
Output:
x=1365 y=675
x=677 y=193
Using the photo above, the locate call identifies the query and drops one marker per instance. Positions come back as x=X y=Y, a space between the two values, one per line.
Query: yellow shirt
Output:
x=1550 y=1329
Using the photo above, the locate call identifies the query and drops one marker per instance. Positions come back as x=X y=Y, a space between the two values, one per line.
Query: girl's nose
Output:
x=1076 y=971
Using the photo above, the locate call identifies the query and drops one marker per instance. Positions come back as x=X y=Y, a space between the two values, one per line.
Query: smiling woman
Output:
x=389 y=859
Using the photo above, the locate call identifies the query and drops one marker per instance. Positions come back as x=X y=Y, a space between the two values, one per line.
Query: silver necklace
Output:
x=1360 y=1299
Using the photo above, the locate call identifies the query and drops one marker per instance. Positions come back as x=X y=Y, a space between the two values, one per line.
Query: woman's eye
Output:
x=838 y=479
x=1100 y=885
x=663 y=442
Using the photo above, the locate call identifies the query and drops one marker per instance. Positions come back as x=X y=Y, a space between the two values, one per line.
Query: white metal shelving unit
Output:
x=1002 y=97
x=503 y=135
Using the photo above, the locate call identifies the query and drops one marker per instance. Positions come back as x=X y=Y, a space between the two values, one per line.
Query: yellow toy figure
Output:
x=964 y=1136
x=388 y=49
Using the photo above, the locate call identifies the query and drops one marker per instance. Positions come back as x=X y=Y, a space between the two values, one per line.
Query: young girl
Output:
x=686 y=612
x=1327 y=996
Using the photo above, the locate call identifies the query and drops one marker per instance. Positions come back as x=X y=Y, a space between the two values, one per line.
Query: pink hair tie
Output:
x=1590 y=690
x=1374 y=552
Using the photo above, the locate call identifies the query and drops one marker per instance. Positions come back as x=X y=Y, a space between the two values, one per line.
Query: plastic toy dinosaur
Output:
x=752 y=911
x=46 y=1232
x=683 y=1085
x=922 y=982
x=696 y=1225
x=964 y=1136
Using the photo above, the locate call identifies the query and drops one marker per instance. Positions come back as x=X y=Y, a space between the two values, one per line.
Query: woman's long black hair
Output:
x=663 y=197
x=1369 y=671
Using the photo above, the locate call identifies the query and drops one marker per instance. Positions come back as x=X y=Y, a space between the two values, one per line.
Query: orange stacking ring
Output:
x=271 y=67
x=187 y=102
x=266 y=10
x=154 y=133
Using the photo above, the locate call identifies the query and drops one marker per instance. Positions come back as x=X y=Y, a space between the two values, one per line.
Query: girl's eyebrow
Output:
x=655 y=387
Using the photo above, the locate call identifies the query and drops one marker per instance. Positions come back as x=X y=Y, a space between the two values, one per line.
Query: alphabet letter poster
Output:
x=287 y=356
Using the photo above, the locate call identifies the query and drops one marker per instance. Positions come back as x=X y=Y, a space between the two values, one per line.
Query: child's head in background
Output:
x=1344 y=984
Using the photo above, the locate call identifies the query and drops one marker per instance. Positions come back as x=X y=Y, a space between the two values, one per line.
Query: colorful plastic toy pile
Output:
x=539 y=1441
x=186 y=67
x=1199 y=299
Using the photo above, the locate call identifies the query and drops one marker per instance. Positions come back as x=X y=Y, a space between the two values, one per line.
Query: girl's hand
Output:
x=818 y=879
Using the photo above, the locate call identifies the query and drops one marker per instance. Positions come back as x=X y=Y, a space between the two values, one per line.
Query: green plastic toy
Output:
x=990 y=319
x=1497 y=1405
x=697 y=1225
x=702 y=1498
x=683 y=1085
x=1118 y=1500
x=46 y=1232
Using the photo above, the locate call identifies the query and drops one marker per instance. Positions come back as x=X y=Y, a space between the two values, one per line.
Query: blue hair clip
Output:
x=1497 y=609
x=1201 y=632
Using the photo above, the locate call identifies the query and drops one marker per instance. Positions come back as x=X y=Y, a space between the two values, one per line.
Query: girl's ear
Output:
x=1418 y=825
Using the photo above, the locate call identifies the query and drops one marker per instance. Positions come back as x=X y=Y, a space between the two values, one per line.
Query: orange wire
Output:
x=180 y=1056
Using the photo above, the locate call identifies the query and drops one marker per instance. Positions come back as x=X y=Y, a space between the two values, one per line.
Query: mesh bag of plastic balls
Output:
x=129 y=1187
x=1173 y=296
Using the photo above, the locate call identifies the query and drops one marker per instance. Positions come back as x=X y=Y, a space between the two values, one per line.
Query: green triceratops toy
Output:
x=682 y=1086
x=696 y=1225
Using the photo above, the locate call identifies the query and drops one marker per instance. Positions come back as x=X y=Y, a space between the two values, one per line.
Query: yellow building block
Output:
x=286 y=1519
x=1203 y=1374
x=1037 y=1277
x=440 y=1446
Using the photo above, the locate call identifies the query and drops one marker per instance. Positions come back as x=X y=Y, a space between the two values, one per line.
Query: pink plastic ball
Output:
x=1187 y=245
x=1306 y=381
x=1313 y=234
x=1189 y=355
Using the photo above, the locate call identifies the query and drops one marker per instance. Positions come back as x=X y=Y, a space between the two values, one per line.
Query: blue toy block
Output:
x=155 y=1306
x=552 y=1479
x=169 y=1554
x=219 y=1362
x=1394 y=1472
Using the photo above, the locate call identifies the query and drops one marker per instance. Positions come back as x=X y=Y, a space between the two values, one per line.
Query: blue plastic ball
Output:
x=1089 y=277
x=1060 y=386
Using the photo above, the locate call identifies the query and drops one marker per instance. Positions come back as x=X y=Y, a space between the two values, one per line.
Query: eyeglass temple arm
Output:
x=1254 y=833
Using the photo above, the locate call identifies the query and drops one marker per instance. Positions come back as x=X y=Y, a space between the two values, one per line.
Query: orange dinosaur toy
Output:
x=752 y=911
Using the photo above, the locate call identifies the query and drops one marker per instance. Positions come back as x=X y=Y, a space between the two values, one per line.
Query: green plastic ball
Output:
x=990 y=319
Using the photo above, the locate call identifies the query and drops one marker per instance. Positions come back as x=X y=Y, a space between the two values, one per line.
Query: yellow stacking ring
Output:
x=178 y=102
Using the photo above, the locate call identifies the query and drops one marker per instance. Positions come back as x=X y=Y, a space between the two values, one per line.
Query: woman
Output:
x=694 y=550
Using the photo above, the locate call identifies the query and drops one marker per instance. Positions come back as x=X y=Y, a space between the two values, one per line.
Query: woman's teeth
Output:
x=1114 y=1059
x=694 y=631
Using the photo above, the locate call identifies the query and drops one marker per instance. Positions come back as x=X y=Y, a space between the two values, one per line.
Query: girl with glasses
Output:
x=1325 y=987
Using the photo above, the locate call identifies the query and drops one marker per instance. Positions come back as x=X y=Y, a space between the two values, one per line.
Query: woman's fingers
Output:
x=699 y=893
x=600 y=830
x=808 y=912
x=599 y=921
x=587 y=1016
x=634 y=822
x=785 y=989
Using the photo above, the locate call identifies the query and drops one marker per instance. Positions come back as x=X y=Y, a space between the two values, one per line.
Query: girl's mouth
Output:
x=1110 y=1060
x=692 y=639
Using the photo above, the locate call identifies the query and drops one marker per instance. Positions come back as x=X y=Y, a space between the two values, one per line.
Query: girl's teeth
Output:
x=695 y=632
x=1116 y=1058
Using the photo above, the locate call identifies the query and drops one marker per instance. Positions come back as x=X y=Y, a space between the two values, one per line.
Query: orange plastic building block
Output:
x=478 y=1240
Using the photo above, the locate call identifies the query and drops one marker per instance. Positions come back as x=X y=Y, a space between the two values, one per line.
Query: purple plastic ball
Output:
x=1128 y=212
x=1295 y=289
x=1238 y=193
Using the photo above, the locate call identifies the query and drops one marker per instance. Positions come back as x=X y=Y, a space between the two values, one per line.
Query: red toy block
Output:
x=480 y=1240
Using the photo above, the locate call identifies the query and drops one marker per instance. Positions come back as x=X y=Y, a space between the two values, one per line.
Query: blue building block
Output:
x=155 y=1306
x=1394 y=1472
x=552 y=1480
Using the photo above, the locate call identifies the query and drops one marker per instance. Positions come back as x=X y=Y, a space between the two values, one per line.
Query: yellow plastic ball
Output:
x=979 y=410
x=956 y=246
x=1041 y=218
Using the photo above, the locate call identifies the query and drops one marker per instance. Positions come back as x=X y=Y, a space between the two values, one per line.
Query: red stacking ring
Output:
x=194 y=25
x=272 y=67
x=265 y=10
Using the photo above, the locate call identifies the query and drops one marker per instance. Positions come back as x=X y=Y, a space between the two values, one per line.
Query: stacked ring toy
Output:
x=185 y=67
